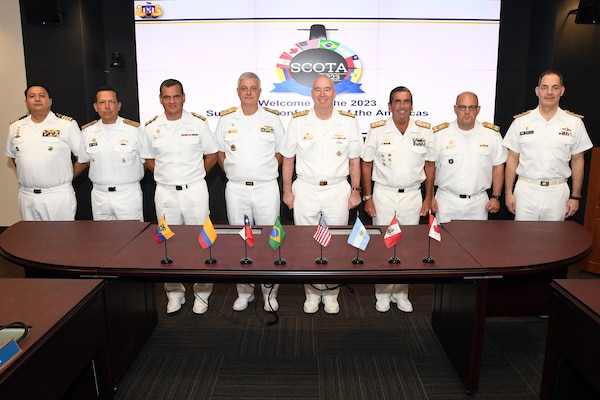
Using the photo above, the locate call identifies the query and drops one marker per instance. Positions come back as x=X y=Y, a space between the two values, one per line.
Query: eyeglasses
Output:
x=462 y=107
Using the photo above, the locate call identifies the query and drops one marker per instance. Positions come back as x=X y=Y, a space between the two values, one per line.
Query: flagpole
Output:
x=394 y=259
x=429 y=259
x=321 y=259
x=357 y=259
x=167 y=259
x=210 y=259
x=246 y=260
x=279 y=260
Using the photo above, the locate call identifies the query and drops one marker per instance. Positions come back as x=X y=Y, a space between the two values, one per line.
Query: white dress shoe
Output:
x=175 y=301
x=271 y=304
x=332 y=307
x=382 y=305
x=200 y=306
x=311 y=306
x=401 y=300
x=241 y=303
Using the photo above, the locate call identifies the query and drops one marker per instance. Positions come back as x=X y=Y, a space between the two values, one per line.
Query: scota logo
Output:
x=305 y=61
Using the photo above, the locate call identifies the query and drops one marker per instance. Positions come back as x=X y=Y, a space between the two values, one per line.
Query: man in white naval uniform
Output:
x=113 y=148
x=546 y=147
x=470 y=161
x=40 y=145
x=398 y=156
x=183 y=151
x=249 y=138
x=325 y=144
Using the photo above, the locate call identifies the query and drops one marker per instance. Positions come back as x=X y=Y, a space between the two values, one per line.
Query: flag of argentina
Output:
x=359 y=237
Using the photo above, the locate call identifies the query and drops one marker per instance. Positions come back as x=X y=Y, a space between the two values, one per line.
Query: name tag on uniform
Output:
x=526 y=133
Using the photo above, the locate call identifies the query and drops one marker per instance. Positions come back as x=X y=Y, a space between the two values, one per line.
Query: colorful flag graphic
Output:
x=163 y=232
x=277 y=235
x=393 y=234
x=207 y=235
x=322 y=234
x=359 y=237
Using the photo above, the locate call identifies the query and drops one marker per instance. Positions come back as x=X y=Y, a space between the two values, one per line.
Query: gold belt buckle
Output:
x=545 y=183
x=322 y=183
x=249 y=183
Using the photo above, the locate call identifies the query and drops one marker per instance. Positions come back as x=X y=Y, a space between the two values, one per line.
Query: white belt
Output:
x=117 y=188
x=399 y=189
x=542 y=182
x=324 y=181
x=53 y=189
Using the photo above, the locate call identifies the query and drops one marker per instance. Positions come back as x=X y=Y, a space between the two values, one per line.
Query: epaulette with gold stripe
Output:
x=228 y=111
x=573 y=114
x=271 y=110
x=422 y=124
x=199 y=116
x=300 y=113
x=131 y=122
x=347 y=114
x=18 y=119
x=441 y=126
x=491 y=126
x=151 y=121
x=89 y=124
x=62 y=116
x=377 y=124
x=523 y=113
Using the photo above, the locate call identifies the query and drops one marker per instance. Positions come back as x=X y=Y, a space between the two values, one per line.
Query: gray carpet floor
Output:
x=357 y=354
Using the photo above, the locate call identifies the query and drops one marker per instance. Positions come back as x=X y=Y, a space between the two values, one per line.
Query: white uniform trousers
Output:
x=535 y=202
x=51 y=204
x=407 y=208
x=260 y=201
x=310 y=200
x=117 y=202
x=457 y=206
x=185 y=204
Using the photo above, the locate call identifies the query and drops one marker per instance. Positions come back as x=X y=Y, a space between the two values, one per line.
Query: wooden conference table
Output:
x=65 y=352
x=571 y=366
x=481 y=268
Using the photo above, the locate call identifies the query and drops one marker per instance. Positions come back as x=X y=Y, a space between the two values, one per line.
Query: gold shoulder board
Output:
x=131 y=122
x=377 y=124
x=89 y=124
x=300 y=113
x=573 y=114
x=151 y=121
x=441 y=126
x=64 y=116
x=228 y=111
x=199 y=116
x=523 y=113
x=347 y=114
x=491 y=126
x=18 y=119
x=423 y=124
x=271 y=110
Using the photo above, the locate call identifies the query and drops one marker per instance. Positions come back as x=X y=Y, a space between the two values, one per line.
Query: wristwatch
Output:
x=367 y=197
x=496 y=197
